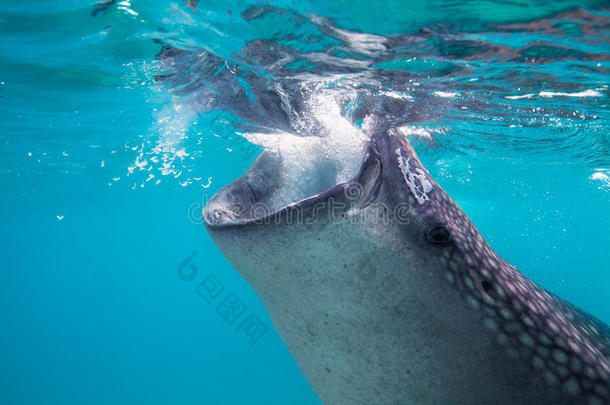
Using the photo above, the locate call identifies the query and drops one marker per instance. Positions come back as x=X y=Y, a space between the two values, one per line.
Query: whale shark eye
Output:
x=438 y=235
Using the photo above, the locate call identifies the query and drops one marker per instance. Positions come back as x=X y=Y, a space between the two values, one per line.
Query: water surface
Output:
x=118 y=120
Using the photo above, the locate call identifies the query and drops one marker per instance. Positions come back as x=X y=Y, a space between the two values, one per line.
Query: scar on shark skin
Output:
x=420 y=191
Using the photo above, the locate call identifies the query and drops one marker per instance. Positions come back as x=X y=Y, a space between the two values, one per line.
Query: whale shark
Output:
x=386 y=293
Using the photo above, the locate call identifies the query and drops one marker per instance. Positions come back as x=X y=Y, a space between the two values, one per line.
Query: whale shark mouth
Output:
x=278 y=182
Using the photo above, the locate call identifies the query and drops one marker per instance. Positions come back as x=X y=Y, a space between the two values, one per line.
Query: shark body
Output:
x=386 y=293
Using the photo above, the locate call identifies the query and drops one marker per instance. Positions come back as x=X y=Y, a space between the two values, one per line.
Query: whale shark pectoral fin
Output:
x=366 y=188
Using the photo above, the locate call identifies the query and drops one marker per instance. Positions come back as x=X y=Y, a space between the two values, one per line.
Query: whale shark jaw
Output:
x=386 y=293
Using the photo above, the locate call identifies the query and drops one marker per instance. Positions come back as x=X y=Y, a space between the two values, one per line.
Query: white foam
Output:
x=530 y=95
x=423 y=132
x=551 y=94
x=586 y=93
x=313 y=164
x=601 y=175
x=445 y=94
x=397 y=95
x=367 y=44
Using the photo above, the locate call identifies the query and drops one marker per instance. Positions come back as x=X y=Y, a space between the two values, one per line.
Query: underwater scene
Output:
x=304 y=202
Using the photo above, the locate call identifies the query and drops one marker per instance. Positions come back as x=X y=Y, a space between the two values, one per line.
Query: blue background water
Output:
x=92 y=308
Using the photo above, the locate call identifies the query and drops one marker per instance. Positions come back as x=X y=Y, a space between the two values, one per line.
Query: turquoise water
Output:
x=108 y=151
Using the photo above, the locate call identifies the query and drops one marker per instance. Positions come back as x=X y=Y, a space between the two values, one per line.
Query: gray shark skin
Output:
x=386 y=293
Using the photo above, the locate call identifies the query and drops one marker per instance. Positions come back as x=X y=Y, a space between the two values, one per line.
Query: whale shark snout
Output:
x=386 y=293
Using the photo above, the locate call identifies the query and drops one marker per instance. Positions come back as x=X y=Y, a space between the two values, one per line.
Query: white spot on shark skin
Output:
x=417 y=182
x=572 y=386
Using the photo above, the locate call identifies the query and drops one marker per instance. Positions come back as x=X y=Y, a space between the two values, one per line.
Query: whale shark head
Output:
x=388 y=189
x=335 y=189
x=385 y=292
